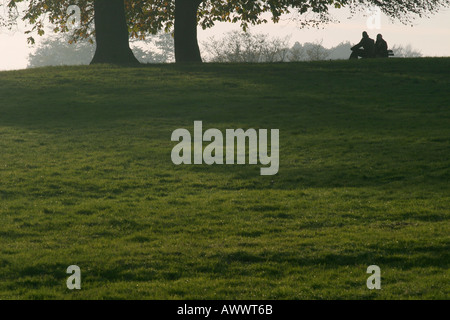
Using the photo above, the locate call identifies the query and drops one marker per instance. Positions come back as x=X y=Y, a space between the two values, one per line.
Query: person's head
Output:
x=379 y=36
x=365 y=34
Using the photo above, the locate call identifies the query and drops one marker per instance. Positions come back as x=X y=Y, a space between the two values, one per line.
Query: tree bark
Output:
x=111 y=34
x=186 y=43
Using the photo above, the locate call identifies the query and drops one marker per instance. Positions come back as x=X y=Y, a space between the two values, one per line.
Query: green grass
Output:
x=86 y=178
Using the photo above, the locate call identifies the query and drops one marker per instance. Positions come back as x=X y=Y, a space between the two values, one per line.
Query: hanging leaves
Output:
x=151 y=16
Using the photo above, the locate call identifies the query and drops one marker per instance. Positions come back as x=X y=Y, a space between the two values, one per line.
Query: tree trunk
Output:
x=111 y=34
x=186 y=43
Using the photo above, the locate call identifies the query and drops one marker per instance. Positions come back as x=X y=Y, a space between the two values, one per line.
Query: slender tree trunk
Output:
x=111 y=34
x=186 y=43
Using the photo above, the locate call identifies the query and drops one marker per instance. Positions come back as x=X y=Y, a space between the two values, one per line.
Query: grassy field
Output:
x=86 y=178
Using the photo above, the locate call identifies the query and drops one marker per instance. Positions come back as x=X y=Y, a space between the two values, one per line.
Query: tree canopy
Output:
x=150 y=16
x=146 y=17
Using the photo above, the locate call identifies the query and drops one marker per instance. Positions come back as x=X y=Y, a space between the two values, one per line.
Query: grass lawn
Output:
x=86 y=179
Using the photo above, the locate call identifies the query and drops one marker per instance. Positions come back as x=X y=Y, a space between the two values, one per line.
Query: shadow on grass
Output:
x=435 y=256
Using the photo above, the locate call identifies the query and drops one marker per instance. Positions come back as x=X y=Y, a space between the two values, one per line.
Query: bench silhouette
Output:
x=390 y=53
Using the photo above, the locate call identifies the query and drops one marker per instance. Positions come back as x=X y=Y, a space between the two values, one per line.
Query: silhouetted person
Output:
x=368 y=48
x=381 y=47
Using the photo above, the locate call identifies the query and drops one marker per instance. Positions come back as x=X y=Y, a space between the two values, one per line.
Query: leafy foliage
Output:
x=149 y=17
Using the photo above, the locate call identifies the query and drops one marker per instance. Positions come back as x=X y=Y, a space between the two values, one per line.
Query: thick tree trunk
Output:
x=111 y=34
x=186 y=43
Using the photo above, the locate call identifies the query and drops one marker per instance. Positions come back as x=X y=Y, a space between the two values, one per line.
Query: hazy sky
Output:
x=431 y=35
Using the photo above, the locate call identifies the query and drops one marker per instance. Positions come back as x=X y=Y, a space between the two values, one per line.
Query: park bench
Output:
x=390 y=53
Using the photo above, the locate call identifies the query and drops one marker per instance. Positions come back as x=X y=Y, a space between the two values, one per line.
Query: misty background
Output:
x=284 y=41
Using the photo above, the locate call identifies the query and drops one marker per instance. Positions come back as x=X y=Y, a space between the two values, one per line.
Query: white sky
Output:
x=431 y=35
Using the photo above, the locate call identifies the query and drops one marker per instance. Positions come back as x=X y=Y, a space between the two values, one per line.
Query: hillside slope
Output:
x=86 y=179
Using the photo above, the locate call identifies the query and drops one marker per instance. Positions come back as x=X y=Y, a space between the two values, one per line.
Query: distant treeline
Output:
x=234 y=46
x=238 y=46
